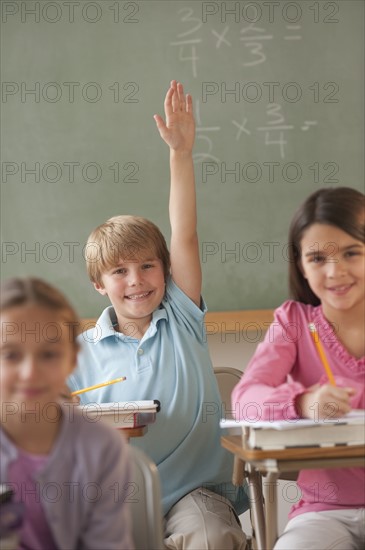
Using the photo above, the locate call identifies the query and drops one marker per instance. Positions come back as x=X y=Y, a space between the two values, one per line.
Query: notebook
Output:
x=122 y=414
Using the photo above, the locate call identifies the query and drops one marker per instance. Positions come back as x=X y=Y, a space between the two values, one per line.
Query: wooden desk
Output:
x=139 y=431
x=120 y=418
x=274 y=462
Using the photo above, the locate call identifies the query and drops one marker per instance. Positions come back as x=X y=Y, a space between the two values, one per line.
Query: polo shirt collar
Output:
x=105 y=325
x=157 y=316
x=108 y=320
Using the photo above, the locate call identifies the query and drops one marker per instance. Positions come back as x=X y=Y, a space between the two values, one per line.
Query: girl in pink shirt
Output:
x=285 y=378
x=62 y=468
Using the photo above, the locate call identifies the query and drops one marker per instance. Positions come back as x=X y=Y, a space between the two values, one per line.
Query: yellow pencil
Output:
x=99 y=385
x=317 y=342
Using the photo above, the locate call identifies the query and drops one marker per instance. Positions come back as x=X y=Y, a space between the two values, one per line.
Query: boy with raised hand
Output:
x=154 y=335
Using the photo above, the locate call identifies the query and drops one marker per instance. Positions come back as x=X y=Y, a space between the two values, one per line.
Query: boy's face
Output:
x=135 y=288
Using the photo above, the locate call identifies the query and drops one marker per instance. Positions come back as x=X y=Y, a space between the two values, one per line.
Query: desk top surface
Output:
x=234 y=444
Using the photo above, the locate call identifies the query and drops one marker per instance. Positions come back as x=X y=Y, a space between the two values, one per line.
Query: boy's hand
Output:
x=324 y=402
x=179 y=130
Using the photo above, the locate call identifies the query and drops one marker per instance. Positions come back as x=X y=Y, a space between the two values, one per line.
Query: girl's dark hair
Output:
x=32 y=291
x=342 y=207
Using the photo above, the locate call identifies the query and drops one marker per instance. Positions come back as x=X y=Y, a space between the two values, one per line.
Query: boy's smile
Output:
x=135 y=289
x=138 y=297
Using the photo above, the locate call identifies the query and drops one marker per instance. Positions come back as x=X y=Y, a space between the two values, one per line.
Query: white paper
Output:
x=356 y=416
x=122 y=406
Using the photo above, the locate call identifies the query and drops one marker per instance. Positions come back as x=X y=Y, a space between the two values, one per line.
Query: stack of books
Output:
x=122 y=414
x=283 y=434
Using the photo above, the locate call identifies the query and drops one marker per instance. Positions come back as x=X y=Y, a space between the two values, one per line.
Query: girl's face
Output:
x=36 y=357
x=333 y=262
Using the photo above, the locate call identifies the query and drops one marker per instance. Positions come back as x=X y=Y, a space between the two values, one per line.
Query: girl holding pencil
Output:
x=67 y=474
x=312 y=365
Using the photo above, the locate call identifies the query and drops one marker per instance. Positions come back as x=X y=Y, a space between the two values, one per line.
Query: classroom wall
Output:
x=278 y=97
x=233 y=349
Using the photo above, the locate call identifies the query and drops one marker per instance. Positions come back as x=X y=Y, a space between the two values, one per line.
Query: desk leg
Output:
x=238 y=471
x=257 y=506
x=271 y=508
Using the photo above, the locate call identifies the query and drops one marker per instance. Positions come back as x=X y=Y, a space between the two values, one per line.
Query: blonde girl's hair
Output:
x=25 y=291
x=126 y=238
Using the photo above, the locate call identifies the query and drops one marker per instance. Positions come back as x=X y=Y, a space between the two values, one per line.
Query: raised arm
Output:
x=178 y=132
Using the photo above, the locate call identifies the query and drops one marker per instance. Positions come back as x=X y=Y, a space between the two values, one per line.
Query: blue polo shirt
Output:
x=170 y=363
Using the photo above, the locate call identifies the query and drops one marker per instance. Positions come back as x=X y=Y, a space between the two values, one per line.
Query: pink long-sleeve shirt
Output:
x=284 y=365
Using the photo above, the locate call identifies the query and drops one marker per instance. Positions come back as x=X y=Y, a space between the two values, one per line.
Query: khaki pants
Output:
x=203 y=520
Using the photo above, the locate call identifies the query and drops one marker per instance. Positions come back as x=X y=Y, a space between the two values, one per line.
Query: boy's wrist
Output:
x=181 y=155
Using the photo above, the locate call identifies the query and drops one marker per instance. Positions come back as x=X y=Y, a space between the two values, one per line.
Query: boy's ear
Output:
x=99 y=287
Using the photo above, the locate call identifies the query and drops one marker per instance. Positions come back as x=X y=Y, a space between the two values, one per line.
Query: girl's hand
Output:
x=324 y=402
x=179 y=130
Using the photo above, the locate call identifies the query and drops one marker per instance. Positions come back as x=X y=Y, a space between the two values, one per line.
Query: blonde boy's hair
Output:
x=127 y=238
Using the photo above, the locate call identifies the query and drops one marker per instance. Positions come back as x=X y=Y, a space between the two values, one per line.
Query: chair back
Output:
x=227 y=378
x=145 y=502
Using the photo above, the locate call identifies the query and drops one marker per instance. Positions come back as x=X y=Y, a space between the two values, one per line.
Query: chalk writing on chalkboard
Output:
x=252 y=37
x=275 y=129
x=203 y=139
x=187 y=40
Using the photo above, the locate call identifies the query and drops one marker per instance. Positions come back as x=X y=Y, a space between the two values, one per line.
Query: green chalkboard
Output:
x=278 y=97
